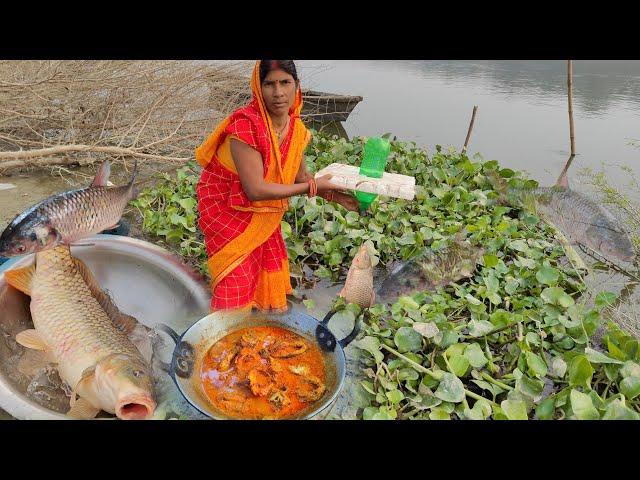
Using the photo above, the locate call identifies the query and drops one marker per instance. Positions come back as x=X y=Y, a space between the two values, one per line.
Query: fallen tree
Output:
x=79 y=112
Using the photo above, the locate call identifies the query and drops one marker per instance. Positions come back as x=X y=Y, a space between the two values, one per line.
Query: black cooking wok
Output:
x=194 y=343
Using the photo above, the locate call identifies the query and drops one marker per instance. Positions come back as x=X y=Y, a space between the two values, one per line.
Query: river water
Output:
x=522 y=119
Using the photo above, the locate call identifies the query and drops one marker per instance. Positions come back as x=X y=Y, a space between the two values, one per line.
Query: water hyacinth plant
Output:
x=512 y=341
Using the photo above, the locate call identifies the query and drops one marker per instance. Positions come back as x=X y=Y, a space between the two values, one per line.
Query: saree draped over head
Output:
x=247 y=254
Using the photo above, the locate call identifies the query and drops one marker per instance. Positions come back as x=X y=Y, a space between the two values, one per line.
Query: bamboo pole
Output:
x=570 y=96
x=473 y=117
x=562 y=179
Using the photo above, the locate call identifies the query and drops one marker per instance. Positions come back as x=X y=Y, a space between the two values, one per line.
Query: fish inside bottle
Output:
x=263 y=373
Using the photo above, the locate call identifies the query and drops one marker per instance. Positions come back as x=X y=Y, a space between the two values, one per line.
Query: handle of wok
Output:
x=349 y=338
x=168 y=367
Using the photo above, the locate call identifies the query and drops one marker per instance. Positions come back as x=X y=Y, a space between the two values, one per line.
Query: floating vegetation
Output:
x=514 y=340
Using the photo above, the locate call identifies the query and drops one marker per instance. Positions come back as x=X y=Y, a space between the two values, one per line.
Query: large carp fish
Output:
x=68 y=217
x=78 y=327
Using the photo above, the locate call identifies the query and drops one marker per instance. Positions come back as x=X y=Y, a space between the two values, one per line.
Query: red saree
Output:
x=247 y=254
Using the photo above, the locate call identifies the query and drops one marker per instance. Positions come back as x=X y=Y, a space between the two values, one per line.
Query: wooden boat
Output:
x=327 y=107
x=318 y=107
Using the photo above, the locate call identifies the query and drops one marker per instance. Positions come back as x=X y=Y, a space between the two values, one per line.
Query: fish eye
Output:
x=20 y=248
x=138 y=373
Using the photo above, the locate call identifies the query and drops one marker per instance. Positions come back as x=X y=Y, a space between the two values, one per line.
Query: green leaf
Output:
x=580 y=372
x=382 y=415
x=492 y=283
x=617 y=410
x=547 y=275
x=174 y=236
x=529 y=387
x=514 y=409
x=322 y=272
x=630 y=387
x=490 y=261
x=537 y=366
x=427 y=330
x=395 y=396
x=630 y=369
x=557 y=296
x=545 y=409
x=479 y=328
x=188 y=204
x=582 y=406
x=604 y=299
x=475 y=356
x=407 y=340
x=481 y=410
x=459 y=364
x=558 y=367
x=371 y=345
x=407 y=239
x=519 y=245
x=439 y=414
x=450 y=389
x=369 y=412
x=596 y=357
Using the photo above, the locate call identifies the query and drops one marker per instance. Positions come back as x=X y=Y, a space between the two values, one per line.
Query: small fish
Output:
x=67 y=217
x=579 y=218
x=93 y=354
x=358 y=287
x=6 y=186
x=431 y=269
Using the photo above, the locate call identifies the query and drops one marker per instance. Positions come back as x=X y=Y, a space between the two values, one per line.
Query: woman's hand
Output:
x=347 y=201
x=324 y=186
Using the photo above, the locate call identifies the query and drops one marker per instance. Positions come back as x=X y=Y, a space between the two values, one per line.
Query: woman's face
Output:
x=279 y=92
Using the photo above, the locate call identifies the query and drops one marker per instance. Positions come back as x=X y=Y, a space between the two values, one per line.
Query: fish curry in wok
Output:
x=263 y=372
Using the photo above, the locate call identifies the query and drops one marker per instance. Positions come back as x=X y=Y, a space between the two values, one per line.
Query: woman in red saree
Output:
x=252 y=163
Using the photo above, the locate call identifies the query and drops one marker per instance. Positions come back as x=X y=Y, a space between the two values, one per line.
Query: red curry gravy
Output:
x=263 y=372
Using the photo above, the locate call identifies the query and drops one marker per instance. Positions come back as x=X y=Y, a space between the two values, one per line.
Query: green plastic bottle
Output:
x=374 y=161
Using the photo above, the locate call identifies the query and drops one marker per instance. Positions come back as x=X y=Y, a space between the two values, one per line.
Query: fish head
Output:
x=362 y=260
x=617 y=246
x=128 y=381
x=407 y=279
x=27 y=236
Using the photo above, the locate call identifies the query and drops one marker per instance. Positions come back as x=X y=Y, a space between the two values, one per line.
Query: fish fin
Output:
x=123 y=322
x=21 y=278
x=102 y=177
x=82 y=409
x=31 y=339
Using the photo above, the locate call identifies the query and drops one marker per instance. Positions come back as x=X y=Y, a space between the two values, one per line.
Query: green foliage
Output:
x=169 y=212
x=512 y=341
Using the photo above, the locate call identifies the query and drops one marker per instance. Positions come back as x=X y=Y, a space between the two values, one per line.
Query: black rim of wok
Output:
x=183 y=357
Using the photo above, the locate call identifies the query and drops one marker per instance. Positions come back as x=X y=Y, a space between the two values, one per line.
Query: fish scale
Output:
x=69 y=218
x=580 y=219
x=584 y=222
x=69 y=319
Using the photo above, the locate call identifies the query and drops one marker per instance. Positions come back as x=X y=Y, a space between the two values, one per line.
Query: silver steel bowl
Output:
x=144 y=280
